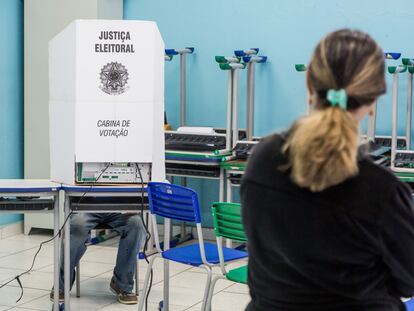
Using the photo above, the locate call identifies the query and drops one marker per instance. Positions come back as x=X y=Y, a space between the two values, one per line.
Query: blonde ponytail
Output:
x=345 y=73
x=323 y=149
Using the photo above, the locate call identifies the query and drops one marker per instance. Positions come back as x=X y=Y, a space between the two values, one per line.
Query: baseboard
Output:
x=11 y=230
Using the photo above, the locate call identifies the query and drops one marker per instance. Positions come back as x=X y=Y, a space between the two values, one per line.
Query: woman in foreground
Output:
x=327 y=228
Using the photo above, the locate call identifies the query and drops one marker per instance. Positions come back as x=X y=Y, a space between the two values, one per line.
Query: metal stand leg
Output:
x=67 y=255
x=183 y=89
x=78 y=280
x=409 y=110
x=235 y=117
x=228 y=188
x=229 y=199
x=56 y=245
x=394 y=118
x=250 y=101
x=221 y=187
x=229 y=111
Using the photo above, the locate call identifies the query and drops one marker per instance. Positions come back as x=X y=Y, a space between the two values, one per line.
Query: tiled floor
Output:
x=186 y=284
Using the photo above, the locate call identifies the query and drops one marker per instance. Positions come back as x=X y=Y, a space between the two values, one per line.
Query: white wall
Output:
x=43 y=19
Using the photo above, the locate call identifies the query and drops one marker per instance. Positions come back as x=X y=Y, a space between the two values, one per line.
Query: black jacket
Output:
x=349 y=247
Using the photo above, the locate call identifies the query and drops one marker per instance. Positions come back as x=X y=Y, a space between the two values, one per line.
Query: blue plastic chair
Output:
x=180 y=203
x=409 y=304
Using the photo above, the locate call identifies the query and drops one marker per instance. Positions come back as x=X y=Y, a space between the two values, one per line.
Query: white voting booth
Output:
x=106 y=84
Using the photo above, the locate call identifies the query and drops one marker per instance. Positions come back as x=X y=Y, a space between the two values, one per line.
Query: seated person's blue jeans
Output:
x=132 y=237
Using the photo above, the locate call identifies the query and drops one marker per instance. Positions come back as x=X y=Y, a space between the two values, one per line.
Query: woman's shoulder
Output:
x=379 y=174
x=267 y=158
x=271 y=144
x=379 y=184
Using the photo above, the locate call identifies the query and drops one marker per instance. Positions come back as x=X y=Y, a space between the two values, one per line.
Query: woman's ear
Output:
x=371 y=111
x=359 y=113
x=309 y=94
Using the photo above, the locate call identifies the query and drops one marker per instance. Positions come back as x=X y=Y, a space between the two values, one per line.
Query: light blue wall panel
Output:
x=11 y=94
x=285 y=31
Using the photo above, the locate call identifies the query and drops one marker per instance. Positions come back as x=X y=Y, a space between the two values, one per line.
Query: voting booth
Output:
x=106 y=106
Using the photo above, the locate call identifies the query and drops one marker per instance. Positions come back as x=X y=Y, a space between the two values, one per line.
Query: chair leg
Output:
x=146 y=283
x=207 y=288
x=78 y=280
x=211 y=291
x=166 y=301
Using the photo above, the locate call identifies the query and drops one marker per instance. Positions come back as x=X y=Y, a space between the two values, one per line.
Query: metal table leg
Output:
x=229 y=199
x=56 y=245
x=67 y=271
x=222 y=185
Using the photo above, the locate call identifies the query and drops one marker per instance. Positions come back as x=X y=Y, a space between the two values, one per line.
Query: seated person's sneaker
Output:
x=61 y=296
x=123 y=296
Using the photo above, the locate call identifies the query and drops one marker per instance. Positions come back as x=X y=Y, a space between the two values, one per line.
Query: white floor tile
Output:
x=24 y=260
x=9 y=295
x=3 y=254
x=96 y=284
x=102 y=255
x=7 y=274
x=88 y=269
x=186 y=283
x=151 y=307
x=225 y=301
x=196 y=281
x=157 y=276
x=38 y=237
x=238 y=288
x=18 y=309
x=87 y=302
x=39 y=280
x=178 y=296
x=36 y=280
x=14 y=246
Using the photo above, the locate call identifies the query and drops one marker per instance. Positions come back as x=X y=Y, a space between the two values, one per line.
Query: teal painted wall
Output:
x=285 y=31
x=11 y=94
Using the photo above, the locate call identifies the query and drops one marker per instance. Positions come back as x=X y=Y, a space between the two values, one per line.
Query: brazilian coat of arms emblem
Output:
x=114 y=78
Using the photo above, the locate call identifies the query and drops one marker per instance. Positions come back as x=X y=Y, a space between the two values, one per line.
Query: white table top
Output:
x=45 y=185
x=28 y=185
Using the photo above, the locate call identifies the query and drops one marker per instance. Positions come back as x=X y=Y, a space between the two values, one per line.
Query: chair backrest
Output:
x=174 y=202
x=227 y=221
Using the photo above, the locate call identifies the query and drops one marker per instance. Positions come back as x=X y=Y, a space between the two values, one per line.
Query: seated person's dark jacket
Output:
x=349 y=247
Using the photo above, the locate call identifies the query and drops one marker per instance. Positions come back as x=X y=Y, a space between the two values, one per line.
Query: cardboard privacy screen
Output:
x=106 y=84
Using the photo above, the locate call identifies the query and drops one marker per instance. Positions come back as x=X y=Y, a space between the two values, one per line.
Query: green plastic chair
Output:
x=227 y=224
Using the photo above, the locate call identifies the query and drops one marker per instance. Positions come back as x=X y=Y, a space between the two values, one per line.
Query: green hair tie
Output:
x=337 y=98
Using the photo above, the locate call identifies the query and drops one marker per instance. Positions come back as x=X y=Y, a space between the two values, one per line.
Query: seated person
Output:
x=327 y=228
x=132 y=237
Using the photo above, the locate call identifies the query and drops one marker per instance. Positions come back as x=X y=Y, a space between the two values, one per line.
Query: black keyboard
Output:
x=404 y=160
x=243 y=150
x=192 y=170
x=386 y=142
x=194 y=142
x=27 y=204
x=242 y=133
x=235 y=179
